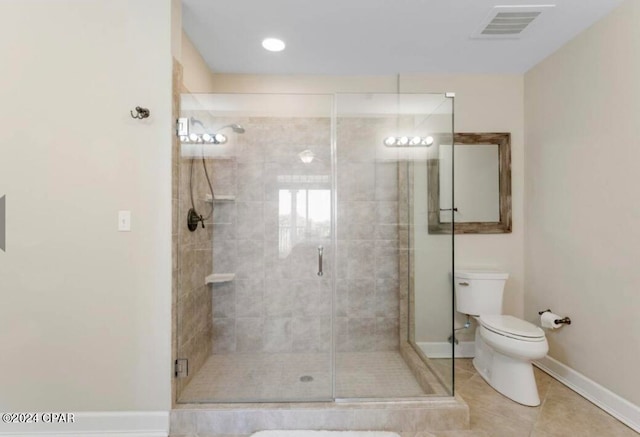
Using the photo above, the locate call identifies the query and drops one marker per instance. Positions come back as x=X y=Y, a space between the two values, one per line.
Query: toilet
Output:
x=504 y=345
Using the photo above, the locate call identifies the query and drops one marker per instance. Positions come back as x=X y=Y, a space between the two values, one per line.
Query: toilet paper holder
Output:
x=562 y=321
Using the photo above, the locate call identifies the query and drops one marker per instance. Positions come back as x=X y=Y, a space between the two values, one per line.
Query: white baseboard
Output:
x=96 y=424
x=618 y=407
x=434 y=349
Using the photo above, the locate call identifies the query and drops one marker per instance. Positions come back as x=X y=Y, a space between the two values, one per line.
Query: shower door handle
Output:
x=320 y=252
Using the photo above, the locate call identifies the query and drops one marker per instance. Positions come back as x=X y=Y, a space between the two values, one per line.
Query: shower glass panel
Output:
x=393 y=292
x=255 y=315
x=314 y=278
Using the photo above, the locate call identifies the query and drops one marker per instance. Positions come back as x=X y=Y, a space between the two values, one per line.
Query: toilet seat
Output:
x=512 y=327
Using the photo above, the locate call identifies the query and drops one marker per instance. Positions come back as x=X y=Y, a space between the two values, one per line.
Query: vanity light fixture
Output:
x=273 y=44
x=408 y=141
x=215 y=137
x=203 y=138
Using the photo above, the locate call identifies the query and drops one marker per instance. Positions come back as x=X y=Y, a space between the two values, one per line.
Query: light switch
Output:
x=124 y=221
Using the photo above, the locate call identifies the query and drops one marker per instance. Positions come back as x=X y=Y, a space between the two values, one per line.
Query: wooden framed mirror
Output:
x=482 y=185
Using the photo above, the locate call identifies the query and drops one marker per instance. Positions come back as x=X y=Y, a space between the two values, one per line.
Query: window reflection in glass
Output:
x=304 y=215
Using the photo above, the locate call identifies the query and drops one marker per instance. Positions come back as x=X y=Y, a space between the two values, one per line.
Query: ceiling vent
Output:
x=509 y=22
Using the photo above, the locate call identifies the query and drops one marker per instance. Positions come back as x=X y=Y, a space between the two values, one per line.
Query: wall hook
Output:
x=140 y=113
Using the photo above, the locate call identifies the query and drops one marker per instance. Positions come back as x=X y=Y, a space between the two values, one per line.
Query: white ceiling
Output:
x=376 y=37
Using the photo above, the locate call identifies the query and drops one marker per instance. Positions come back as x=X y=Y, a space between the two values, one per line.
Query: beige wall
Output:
x=583 y=240
x=197 y=77
x=484 y=103
x=176 y=29
x=85 y=313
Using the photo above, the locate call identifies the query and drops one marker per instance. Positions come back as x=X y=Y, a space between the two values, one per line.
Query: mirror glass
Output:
x=477 y=185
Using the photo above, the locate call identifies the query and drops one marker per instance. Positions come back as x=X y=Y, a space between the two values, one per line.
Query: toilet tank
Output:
x=479 y=292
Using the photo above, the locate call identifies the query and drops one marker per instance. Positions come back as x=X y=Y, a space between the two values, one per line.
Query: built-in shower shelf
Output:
x=219 y=278
x=220 y=198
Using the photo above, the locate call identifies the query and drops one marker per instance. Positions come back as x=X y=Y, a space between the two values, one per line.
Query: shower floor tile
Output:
x=374 y=375
x=301 y=376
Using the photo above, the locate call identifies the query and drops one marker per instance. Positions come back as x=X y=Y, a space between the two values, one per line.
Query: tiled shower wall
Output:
x=193 y=308
x=176 y=89
x=277 y=303
x=367 y=281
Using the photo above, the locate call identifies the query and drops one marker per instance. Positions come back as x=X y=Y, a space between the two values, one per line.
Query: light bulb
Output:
x=415 y=141
x=207 y=138
x=184 y=138
x=390 y=141
x=403 y=141
x=220 y=139
x=194 y=138
x=427 y=141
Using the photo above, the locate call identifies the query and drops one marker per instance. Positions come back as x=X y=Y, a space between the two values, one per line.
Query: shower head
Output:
x=236 y=128
x=194 y=120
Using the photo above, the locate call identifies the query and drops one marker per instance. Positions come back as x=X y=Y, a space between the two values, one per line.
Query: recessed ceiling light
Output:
x=273 y=44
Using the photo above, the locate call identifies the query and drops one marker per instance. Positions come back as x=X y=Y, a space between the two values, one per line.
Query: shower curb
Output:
x=441 y=414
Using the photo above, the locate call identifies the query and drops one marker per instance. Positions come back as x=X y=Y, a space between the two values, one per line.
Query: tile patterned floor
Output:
x=562 y=412
x=246 y=377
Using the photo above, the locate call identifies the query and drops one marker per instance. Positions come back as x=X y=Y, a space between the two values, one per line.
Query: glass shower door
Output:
x=260 y=328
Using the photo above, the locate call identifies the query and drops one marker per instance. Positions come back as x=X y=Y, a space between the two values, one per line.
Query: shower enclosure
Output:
x=314 y=278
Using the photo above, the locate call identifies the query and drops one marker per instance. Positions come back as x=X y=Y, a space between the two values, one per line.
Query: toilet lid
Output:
x=511 y=326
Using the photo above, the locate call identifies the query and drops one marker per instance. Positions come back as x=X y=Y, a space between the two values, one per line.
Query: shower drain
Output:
x=306 y=378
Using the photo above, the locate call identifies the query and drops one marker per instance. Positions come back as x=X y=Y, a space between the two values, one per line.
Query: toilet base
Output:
x=509 y=376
